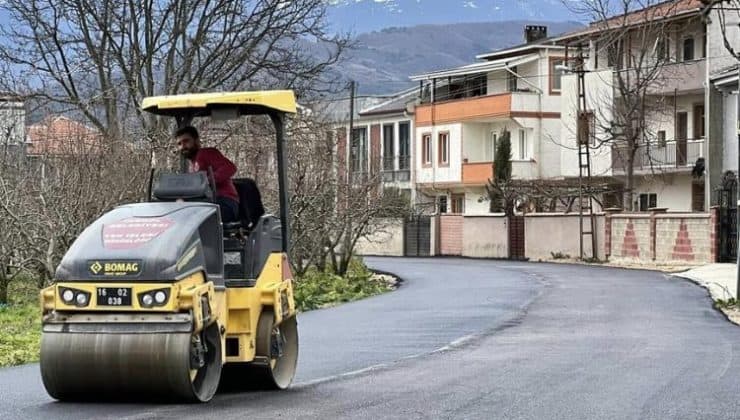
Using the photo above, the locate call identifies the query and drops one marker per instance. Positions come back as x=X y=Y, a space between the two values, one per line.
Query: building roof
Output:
x=59 y=135
x=394 y=105
x=518 y=50
x=666 y=10
x=477 y=68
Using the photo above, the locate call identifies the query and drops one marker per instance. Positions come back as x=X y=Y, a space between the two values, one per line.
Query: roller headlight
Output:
x=154 y=298
x=81 y=299
x=74 y=296
x=68 y=296
x=160 y=297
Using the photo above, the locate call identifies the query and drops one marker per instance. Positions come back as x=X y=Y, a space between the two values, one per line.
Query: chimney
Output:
x=534 y=33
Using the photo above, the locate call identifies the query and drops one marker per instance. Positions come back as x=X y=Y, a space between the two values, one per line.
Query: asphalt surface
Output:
x=482 y=339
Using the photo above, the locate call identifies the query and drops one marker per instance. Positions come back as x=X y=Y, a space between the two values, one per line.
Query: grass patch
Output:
x=726 y=304
x=20 y=326
x=318 y=289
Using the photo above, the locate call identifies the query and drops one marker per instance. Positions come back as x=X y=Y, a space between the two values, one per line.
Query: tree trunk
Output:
x=630 y=184
x=3 y=289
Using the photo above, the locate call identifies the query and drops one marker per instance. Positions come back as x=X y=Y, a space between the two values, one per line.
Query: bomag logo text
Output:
x=121 y=267
x=115 y=268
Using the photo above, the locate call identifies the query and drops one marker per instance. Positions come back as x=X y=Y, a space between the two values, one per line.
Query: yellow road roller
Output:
x=161 y=300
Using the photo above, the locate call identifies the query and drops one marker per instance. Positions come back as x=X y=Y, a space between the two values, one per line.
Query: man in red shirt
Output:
x=200 y=159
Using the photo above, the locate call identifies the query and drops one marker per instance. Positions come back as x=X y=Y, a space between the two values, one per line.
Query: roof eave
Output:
x=516 y=50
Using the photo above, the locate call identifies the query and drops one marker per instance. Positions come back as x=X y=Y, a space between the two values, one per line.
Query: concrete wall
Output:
x=718 y=58
x=476 y=145
x=473 y=204
x=386 y=239
x=548 y=233
x=599 y=97
x=485 y=236
x=729 y=135
x=673 y=190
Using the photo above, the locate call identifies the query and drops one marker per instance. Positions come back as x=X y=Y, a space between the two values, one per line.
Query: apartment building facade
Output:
x=462 y=112
x=380 y=145
x=663 y=49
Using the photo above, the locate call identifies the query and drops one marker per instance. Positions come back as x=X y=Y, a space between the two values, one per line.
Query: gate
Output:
x=516 y=237
x=727 y=201
x=417 y=235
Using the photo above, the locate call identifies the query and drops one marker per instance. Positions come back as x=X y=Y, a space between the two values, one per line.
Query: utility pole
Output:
x=351 y=136
x=583 y=137
x=737 y=197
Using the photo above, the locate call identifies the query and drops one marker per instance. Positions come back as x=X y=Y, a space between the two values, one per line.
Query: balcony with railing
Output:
x=683 y=77
x=675 y=155
x=396 y=169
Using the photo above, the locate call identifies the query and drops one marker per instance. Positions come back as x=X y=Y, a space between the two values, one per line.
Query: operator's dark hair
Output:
x=189 y=130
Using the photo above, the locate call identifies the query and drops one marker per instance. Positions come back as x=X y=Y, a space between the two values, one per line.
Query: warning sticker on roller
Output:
x=134 y=232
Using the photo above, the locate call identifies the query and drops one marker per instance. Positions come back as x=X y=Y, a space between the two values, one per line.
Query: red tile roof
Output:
x=658 y=11
x=59 y=135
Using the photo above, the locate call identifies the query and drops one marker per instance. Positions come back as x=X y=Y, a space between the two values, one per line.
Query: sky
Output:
x=359 y=16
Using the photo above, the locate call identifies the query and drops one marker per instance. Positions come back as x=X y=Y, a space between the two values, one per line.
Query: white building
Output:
x=13 y=142
x=723 y=115
x=463 y=110
x=670 y=39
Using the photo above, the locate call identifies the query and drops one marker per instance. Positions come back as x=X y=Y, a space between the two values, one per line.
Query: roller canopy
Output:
x=209 y=104
x=148 y=242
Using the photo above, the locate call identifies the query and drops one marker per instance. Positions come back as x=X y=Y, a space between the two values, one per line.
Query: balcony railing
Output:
x=489 y=106
x=391 y=174
x=477 y=173
x=655 y=155
x=670 y=78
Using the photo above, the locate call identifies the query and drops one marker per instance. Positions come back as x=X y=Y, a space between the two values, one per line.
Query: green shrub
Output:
x=318 y=289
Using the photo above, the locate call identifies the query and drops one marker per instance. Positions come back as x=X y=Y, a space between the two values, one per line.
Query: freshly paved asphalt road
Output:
x=529 y=341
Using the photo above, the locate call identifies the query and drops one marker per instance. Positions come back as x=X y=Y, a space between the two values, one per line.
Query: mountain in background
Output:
x=360 y=16
x=383 y=60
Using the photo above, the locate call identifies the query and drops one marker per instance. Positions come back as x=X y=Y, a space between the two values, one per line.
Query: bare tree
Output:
x=634 y=34
x=727 y=13
x=100 y=58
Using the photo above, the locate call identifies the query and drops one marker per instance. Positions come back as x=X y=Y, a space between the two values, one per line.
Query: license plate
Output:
x=114 y=296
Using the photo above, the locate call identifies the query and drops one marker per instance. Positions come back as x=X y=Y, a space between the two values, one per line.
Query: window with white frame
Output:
x=444 y=149
x=426 y=149
x=490 y=152
x=522 y=144
x=556 y=75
